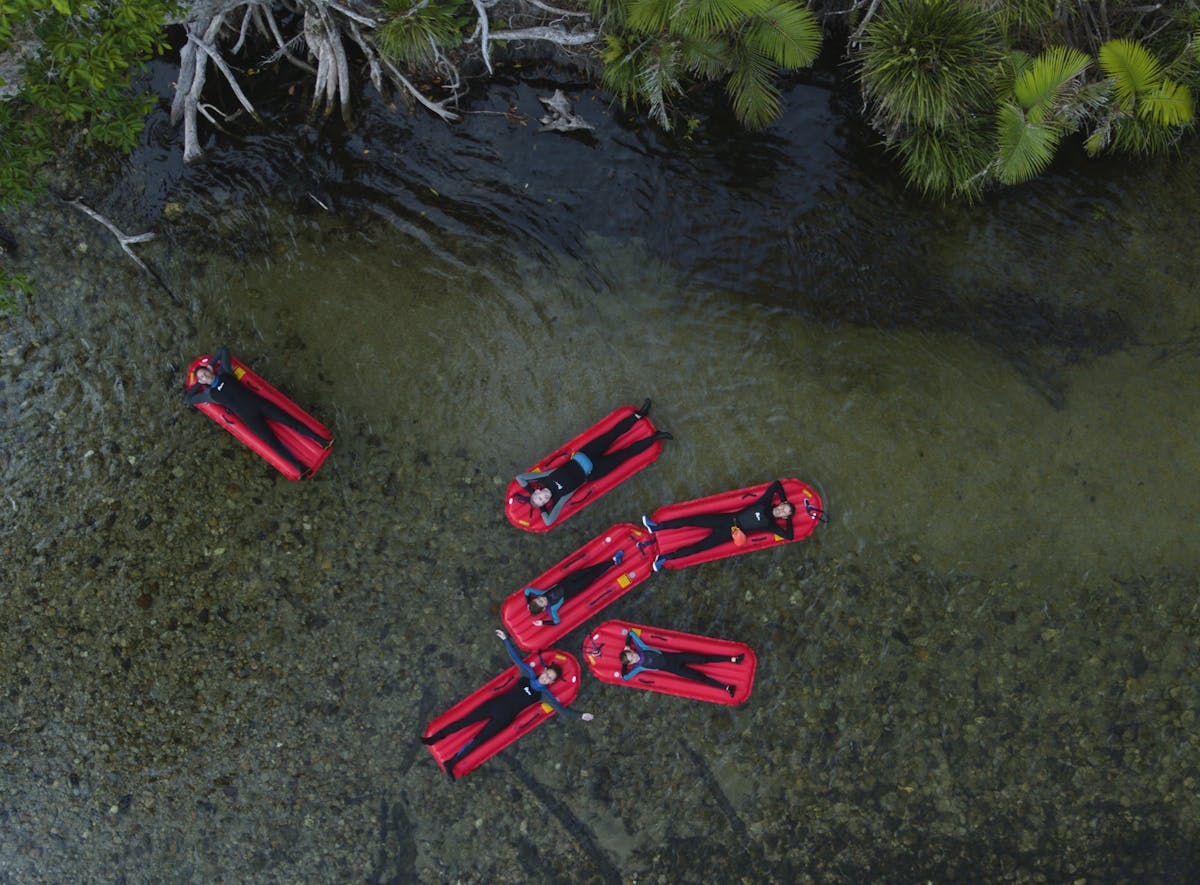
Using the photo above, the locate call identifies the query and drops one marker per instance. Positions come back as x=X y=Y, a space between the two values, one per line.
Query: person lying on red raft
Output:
x=770 y=513
x=217 y=383
x=637 y=656
x=552 y=489
x=501 y=710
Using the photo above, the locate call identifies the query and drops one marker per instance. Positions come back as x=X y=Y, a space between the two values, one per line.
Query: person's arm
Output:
x=549 y=698
x=221 y=361
x=548 y=518
x=775 y=488
x=525 y=669
x=197 y=394
x=523 y=479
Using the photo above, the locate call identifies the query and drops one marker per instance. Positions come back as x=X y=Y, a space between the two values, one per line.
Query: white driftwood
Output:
x=562 y=116
x=125 y=240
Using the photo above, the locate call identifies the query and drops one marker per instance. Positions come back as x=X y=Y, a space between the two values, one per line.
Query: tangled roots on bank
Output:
x=330 y=32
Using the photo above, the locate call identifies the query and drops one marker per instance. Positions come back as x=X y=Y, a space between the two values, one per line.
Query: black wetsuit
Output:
x=563 y=481
x=252 y=409
x=567 y=586
x=500 y=710
x=755 y=518
x=673 y=662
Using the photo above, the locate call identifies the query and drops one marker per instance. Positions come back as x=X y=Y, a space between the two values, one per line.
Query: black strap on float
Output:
x=815 y=512
x=524 y=499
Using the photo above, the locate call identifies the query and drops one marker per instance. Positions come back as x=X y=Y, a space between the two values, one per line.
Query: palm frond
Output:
x=1168 y=105
x=1133 y=69
x=930 y=62
x=702 y=17
x=1025 y=148
x=786 y=33
x=751 y=89
x=414 y=30
x=658 y=80
x=1043 y=81
x=651 y=16
x=708 y=58
x=946 y=164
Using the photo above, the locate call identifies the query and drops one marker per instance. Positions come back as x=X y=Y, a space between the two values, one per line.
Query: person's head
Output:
x=629 y=656
x=537 y=604
x=783 y=510
x=205 y=374
x=540 y=498
x=549 y=675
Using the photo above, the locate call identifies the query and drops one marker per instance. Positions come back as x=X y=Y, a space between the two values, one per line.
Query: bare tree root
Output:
x=329 y=29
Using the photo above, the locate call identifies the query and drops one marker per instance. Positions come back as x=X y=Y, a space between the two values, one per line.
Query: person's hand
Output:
x=587 y=717
x=501 y=635
x=538 y=623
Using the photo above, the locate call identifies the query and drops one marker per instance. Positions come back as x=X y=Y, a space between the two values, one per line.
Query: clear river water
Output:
x=981 y=668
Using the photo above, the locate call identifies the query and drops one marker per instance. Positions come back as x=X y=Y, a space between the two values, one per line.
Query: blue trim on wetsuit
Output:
x=583 y=461
x=642 y=649
x=551 y=609
x=527 y=671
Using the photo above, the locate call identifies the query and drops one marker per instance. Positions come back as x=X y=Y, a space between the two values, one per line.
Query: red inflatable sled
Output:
x=308 y=451
x=800 y=495
x=525 y=516
x=636 y=565
x=565 y=689
x=604 y=645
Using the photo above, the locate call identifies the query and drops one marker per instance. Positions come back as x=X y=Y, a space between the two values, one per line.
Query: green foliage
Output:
x=1045 y=106
x=1146 y=112
x=413 y=31
x=12 y=287
x=931 y=71
x=79 y=59
x=930 y=63
x=653 y=48
x=964 y=113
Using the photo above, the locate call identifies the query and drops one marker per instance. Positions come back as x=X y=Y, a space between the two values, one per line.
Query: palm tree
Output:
x=1142 y=110
x=1045 y=105
x=654 y=47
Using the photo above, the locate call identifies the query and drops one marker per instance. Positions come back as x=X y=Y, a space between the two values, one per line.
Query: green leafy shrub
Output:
x=414 y=31
x=78 y=58
x=654 y=48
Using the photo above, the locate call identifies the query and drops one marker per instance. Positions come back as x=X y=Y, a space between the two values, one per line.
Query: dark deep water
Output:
x=983 y=667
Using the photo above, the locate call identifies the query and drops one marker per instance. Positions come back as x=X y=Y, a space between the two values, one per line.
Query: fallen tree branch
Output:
x=550 y=35
x=124 y=239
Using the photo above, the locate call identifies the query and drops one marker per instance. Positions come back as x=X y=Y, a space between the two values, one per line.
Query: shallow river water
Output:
x=983 y=667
